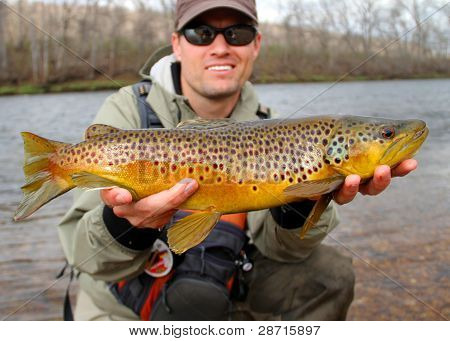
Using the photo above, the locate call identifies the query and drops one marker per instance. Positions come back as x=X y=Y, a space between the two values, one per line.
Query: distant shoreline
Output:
x=102 y=84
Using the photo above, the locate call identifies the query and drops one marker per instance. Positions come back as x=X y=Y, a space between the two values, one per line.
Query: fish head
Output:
x=357 y=145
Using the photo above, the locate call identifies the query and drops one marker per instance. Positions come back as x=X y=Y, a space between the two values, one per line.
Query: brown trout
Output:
x=240 y=166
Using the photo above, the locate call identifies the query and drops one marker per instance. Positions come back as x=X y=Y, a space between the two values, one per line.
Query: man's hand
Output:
x=153 y=211
x=380 y=181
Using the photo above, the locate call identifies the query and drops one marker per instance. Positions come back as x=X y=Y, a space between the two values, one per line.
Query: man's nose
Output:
x=219 y=46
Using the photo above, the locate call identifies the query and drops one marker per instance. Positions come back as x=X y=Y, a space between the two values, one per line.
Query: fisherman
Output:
x=108 y=238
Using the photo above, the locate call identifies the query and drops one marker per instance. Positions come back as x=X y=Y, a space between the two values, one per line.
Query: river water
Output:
x=399 y=240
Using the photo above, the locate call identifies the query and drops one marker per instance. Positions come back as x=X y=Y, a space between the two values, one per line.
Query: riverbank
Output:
x=106 y=84
x=73 y=86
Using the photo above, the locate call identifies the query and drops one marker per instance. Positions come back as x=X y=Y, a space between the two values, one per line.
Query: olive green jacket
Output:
x=100 y=259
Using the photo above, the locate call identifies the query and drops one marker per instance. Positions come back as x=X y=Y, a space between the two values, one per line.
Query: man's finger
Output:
x=173 y=197
x=159 y=203
x=380 y=180
x=348 y=190
x=116 y=196
x=404 y=167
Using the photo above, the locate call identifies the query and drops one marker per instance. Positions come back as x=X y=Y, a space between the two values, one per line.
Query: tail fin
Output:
x=41 y=184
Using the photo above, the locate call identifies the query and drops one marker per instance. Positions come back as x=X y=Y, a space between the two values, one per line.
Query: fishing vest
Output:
x=204 y=280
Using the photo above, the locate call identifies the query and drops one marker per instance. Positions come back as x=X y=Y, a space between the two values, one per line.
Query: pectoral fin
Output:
x=92 y=181
x=312 y=188
x=191 y=230
x=315 y=213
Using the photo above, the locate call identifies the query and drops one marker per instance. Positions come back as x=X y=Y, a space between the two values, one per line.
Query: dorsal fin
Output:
x=203 y=123
x=98 y=130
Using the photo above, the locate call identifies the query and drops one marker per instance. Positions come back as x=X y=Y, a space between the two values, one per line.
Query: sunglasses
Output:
x=236 y=35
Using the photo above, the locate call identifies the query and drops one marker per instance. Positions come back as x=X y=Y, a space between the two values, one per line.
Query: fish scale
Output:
x=240 y=166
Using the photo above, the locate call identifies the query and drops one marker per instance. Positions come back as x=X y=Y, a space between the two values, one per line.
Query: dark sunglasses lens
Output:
x=240 y=35
x=202 y=35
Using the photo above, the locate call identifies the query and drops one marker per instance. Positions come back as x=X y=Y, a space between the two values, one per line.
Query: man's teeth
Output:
x=220 y=68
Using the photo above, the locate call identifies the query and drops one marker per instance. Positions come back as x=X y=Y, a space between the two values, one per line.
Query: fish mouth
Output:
x=405 y=147
x=420 y=133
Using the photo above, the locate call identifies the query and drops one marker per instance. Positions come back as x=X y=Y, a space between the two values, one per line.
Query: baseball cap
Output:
x=186 y=10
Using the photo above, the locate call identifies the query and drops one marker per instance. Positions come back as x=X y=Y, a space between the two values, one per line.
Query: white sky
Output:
x=268 y=10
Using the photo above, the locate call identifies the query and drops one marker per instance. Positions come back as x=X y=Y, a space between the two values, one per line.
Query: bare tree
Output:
x=34 y=47
x=168 y=10
x=66 y=17
x=367 y=21
x=3 y=51
x=417 y=11
x=45 y=47
x=118 y=15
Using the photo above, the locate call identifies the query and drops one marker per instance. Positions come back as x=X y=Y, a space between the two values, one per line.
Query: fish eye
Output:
x=388 y=132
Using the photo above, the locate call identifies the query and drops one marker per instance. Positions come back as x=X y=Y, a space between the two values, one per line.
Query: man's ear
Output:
x=176 y=45
x=257 y=43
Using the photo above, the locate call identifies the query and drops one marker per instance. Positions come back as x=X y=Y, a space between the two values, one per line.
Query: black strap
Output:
x=146 y=112
x=67 y=313
x=263 y=112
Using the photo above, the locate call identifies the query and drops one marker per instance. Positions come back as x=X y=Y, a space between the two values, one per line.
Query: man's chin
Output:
x=221 y=92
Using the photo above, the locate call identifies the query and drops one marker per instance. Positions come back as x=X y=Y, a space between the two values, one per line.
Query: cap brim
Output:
x=201 y=8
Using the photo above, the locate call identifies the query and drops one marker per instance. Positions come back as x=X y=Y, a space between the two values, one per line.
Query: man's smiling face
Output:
x=218 y=70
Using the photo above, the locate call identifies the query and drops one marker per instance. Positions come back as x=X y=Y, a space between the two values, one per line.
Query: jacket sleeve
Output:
x=283 y=244
x=94 y=240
